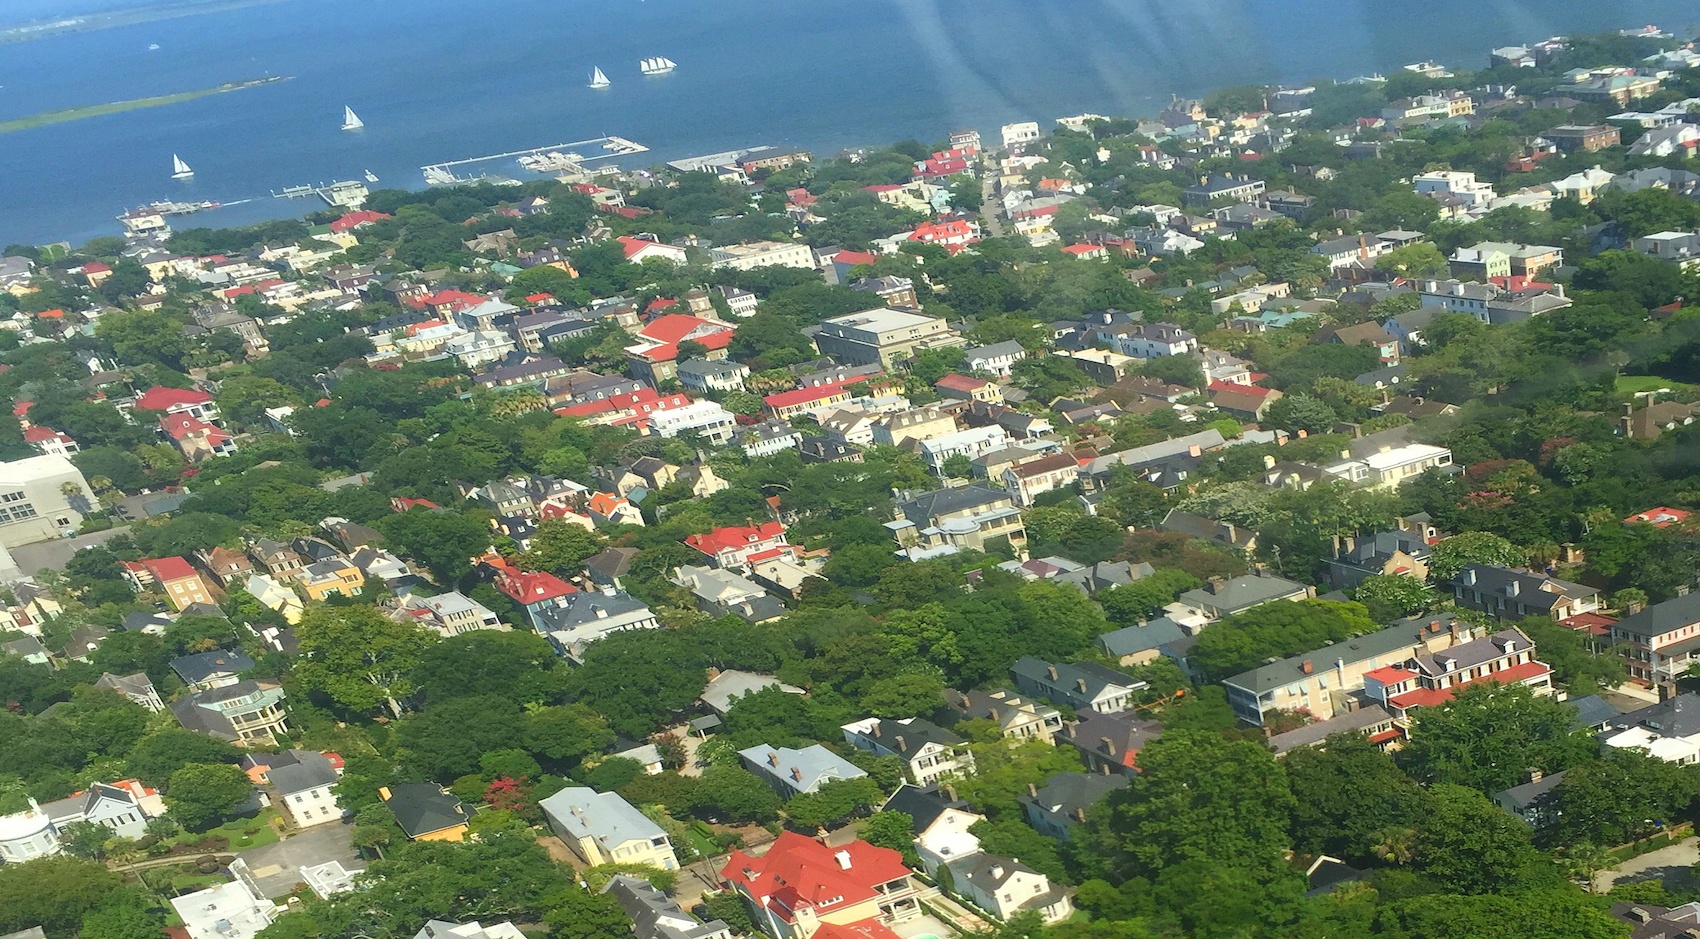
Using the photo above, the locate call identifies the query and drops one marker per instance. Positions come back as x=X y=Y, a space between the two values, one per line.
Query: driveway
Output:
x=277 y=867
x=1672 y=865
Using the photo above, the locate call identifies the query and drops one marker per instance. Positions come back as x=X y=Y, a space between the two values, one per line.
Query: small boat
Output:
x=180 y=169
x=371 y=177
x=657 y=65
x=350 y=120
x=598 y=80
x=153 y=47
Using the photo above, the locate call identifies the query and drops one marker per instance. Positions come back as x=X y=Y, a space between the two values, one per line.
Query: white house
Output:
x=970 y=443
x=303 y=780
x=1004 y=887
x=706 y=419
x=1014 y=135
x=999 y=358
x=1153 y=340
x=27 y=835
x=227 y=911
x=928 y=751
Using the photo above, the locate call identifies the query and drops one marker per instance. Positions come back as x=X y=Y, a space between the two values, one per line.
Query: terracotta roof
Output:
x=1429 y=697
x=735 y=536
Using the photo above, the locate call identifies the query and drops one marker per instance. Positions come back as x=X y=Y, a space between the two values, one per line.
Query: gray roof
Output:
x=725 y=688
x=1124 y=730
x=915 y=732
x=25 y=647
x=654 y=915
x=1134 y=639
x=995 y=350
x=422 y=808
x=137 y=684
x=203 y=666
x=1518 y=798
x=1377 y=548
x=1473 y=653
x=308 y=771
x=799 y=770
x=1676 y=717
x=1498 y=581
x=604 y=816
x=1067 y=793
x=1661 y=618
x=1593 y=711
x=588 y=607
x=1106 y=574
x=1311 y=734
x=1139 y=456
x=920 y=507
x=1382 y=644
x=1243 y=593
x=923 y=804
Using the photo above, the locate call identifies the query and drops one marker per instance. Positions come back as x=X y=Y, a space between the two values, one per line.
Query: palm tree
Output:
x=1585 y=860
x=1397 y=844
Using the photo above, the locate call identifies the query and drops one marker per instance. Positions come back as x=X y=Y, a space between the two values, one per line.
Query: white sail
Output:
x=350 y=120
x=598 y=80
x=668 y=63
x=180 y=169
x=657 y=65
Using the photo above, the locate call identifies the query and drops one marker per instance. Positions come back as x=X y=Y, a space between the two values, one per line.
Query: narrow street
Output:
x=988 y=208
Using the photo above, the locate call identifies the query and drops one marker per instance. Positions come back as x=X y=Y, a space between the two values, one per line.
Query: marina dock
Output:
x=557 y=159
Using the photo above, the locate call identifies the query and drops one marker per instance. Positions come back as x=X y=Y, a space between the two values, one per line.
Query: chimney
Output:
x=1051 y=670
x=1269 y=461
x=1535 y=774
x=1216 y=584
x=1080 y=683
x=1107 y=745
x=1667 y=691
x=773 y=758
x=713 y=673
x=384 y=793
x=902 y=744
x=843 y=858
x=1080 y=816
x=1639 y=915
x=1514 y=588
x=1470 y=576
x=1033 y=790
x=997 y=871
x=797 y=773
x=1309 y=667
x=950 y=792
x=877 y=728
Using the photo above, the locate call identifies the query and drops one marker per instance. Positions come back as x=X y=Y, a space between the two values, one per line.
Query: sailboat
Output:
x=180 y=169
x=657 y=65
x=598 y=80
x=350 y=120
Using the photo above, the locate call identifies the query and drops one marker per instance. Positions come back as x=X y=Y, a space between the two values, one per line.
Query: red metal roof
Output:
x=168 y=569
x=735 y=536
x=1429 y=697
x=956 y=382
x=854 y=258
x=798 y=871
x=160 y=398
x=795 y=396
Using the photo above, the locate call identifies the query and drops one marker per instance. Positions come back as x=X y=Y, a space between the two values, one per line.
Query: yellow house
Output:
x=331 y=575
x=426 y=812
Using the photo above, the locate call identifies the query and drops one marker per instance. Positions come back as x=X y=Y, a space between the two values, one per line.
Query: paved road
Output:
x=989 y=207
x=1671 y=864
x=277 y=867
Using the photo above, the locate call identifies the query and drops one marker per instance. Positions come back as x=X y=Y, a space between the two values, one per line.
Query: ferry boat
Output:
x=371 y=177
x=350 y=120
x=598 y=80
x=657 y=65
x=180 y=169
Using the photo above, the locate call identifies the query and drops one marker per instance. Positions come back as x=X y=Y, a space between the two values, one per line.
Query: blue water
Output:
x=439 y=80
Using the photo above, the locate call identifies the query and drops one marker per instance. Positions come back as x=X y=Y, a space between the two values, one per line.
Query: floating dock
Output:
x=560 y=158
x=348 y=193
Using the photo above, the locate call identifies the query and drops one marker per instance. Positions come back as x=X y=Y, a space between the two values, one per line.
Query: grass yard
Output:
x=1630 y=384
x=704 y=847
x=242 y=833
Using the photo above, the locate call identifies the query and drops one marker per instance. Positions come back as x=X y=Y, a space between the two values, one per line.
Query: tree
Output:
x=1413 y=261
x=1623 y=795
x=1302 y=412
x=562 y=546
x=567 y=733
x=894 y=830
x=1131 y=604
x=833 y=803
x=1471 y=547
x=445 y=542
x=1489 y=735
x=1199 y=797
x=958 y=466
x=1348 y=794
x=54 y=893
x=85 y=840
x=1391 y=596
x=202 y=795
x=123 y=919
x=734 y=794
x=375 y=828
x=1183 y=370
x=1279 y=629
x=577 y=913
x=447 y=740
x=359 y=657
x=159 y=754
x=1471 y=845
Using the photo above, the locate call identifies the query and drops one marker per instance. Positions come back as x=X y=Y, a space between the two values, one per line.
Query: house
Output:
x=227 y=567
x=1514 y=594
x=50 y=442
x=1348 y=250
x=1490 y=259
x=1386 y=459
x=654 y=357
x=968 y=388
x=915 y=424
x=1151 y=340
x=585 y=617
x=196 y=439
x=438 y=929
x=640 y=249
x=1004 y=887
x=768 y=438
x=1017 y=718
x=275 y=597
x=1647 y=921
x=1491 y=303
x=1245 y=402
x=801 y=887
x=303 y=781
x=1110 y=743
x=1212 y=188
x=279 y=560
x=534 y=591
x=1081 y=685
x=607 y=509
x=748 y=256
x=242 y=713
x=138 y=688
x=1067 y=800
x=603 y=828
x=970 y=443
x=703 y=376
x=1142 y=644
x=655 y=916
x=999 y=358
x=722 y=592
x=894 y=292
x=972 y=517
x=1321 y=682
x=29 y=648
x=334 y=575
x=793 y=772
x=1225 y=534
x=733 y=547
x=1668 y=730
x=815 y=400
x=227 y=911
x=1225 y=597
x=1032 y=478
x=1531 y=801
x=724 y=688
x=941 y=823
x=883 y=336
x=426 y=811
x=1363 y=334
x=929 y=752
x=1659 y=642
x=1431 y=679
x=124 y=807
x=1649 y=422
x=27 y=834
x=44 y=497
x=177 y=401
x=1385 y=553
x=1371 y=721
x=449 y=614
x=181 y=584
x=204 y=671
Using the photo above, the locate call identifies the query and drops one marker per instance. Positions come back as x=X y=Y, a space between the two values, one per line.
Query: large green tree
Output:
x=202 y=795
x=360 y=658
x=1488 y=736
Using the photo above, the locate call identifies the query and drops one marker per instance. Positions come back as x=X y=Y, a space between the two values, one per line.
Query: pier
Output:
x=347 y=193
x=555 y=158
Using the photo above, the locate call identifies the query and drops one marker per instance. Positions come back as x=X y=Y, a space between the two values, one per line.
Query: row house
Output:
x=1661 y=641
x=929 y=752
x=974 y=517
x=735 y=547
x=1430 y=680
x=1514 y=594
x=1030 y=479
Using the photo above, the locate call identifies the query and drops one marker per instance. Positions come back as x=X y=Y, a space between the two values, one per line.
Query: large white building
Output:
x=883 y=337
x=27 y=835
x=41 y=497
x=706 y=419
x=227 y=911
x=754 y=254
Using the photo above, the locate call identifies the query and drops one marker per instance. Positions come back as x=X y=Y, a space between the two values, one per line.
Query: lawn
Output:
x=1630 y=384
x=242 y=833
x=704 y=847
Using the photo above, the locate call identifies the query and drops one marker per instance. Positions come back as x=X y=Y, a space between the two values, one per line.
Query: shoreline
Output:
x=48 y=118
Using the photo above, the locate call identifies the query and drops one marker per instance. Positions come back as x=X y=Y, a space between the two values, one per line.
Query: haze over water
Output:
x=439 y=80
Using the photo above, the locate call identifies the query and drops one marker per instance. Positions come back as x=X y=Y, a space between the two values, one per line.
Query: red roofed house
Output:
x=845 y=261
x=938 y=170
x=1089 y=252
x=731 y=547
x=953 y=232
x=178 y=401
x=784 y=405
x=654 y=358
x=51 y=442
x=1430 y=679
x=354 y=220
x=801 y=887
x=625 y=407
x=535 y=591
x=406 y=504
x=606 y=508
x=96 y=273
x=173 y=576
x=1661 y=517
x=197 y=439
x=639 y=250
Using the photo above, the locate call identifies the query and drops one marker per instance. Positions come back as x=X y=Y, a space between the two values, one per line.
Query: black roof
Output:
x=202 y=666
x=1661 y=618
x=924 y=804
x=422 y=808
